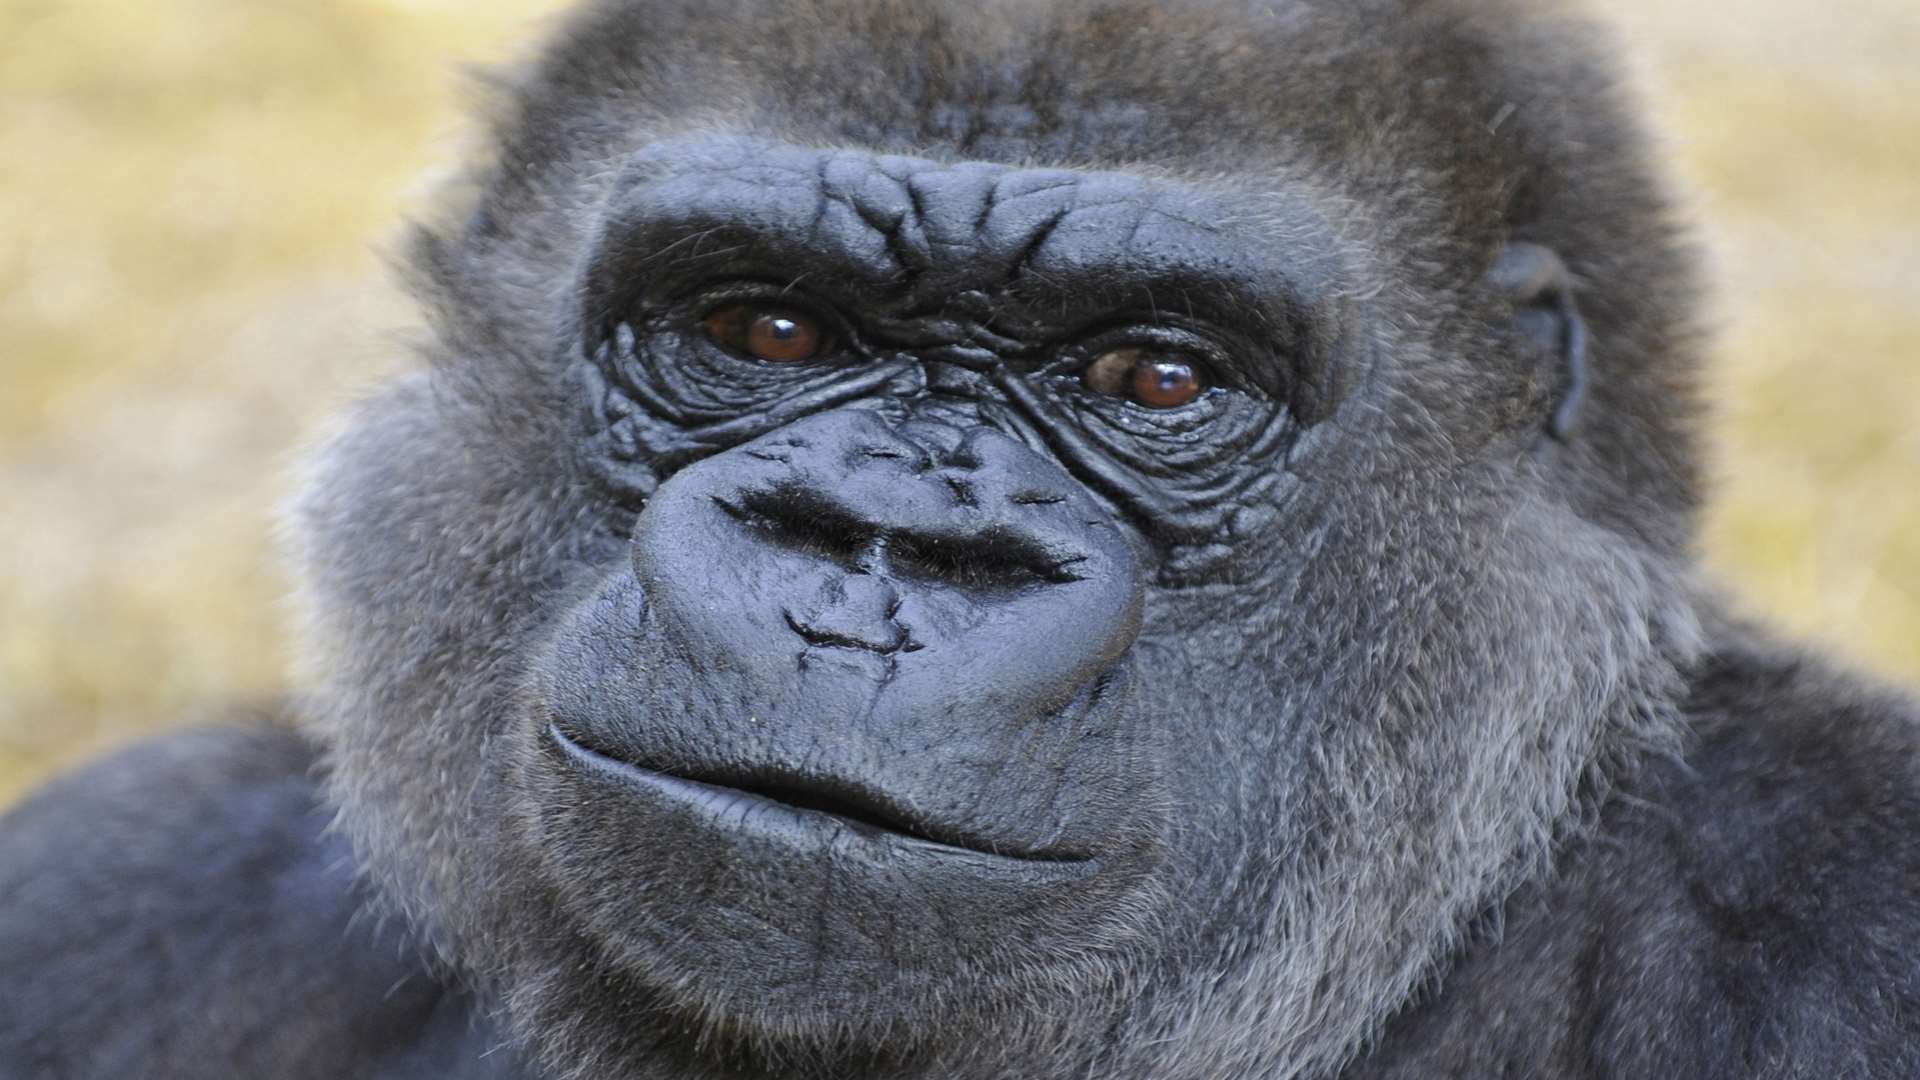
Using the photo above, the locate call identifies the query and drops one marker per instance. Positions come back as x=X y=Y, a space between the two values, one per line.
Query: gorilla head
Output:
x=983 y=540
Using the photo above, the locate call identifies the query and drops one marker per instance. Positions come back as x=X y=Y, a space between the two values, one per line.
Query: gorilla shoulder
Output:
x=177 y=910
x=1749 y=910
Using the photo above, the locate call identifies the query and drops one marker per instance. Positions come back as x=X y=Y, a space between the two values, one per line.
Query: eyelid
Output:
x=1160 y=336
x=703 y=301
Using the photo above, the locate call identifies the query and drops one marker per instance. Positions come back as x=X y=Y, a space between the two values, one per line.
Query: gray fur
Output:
x=1423 y=692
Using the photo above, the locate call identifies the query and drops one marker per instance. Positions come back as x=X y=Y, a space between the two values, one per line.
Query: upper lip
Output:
x=854 y=807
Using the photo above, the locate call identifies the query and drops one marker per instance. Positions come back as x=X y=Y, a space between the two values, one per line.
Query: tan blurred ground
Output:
x=192 y=193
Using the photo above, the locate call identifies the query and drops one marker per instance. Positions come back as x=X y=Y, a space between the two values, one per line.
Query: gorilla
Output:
x=940 y=540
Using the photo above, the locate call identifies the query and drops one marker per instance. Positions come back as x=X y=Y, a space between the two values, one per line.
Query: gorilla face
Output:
x=874 y=679
x=1052 y=567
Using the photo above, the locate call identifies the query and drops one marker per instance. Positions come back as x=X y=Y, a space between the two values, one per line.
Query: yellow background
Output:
x=194 y=195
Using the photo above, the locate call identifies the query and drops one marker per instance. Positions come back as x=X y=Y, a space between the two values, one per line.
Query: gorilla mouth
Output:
x=794 y=808
x=858 y=814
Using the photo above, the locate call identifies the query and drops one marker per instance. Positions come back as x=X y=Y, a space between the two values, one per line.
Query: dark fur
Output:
x=1451 y=767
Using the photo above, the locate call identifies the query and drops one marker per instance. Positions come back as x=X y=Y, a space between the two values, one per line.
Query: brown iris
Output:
x=778 y=335
x=1150 y=377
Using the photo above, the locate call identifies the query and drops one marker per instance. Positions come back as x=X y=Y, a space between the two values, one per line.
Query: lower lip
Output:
x=803 y=830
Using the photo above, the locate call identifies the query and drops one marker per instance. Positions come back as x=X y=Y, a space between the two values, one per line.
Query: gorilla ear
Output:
x=1540 y=288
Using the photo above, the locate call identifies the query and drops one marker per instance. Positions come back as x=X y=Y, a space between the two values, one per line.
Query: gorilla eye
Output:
x=1150 y=377
x=778 y=335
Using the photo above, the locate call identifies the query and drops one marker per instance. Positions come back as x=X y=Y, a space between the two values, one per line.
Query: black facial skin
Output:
x=954 y=541
x=888 y=661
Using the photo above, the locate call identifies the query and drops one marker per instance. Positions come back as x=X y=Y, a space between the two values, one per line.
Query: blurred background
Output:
x=195 y=195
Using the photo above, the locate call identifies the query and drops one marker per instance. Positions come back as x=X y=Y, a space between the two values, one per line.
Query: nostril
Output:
x=799 y=522
x=990 y=558
x=993 y=557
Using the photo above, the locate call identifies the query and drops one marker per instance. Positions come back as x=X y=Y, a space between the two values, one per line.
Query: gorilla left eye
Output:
x=778 y=335
x=1154 y=378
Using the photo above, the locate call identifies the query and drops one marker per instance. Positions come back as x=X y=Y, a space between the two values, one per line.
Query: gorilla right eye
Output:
x=1155 y=378
x=776 y=334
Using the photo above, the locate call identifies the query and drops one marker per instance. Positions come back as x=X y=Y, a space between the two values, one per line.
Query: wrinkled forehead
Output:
x=1359 y=101
x=917 y=231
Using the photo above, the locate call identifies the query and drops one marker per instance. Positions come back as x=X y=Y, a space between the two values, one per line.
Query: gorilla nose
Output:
x=919 y=628
x=956 y=525
x=922 y=500
x=947 y=557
